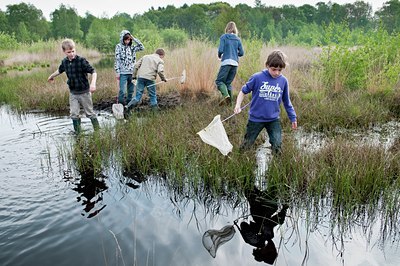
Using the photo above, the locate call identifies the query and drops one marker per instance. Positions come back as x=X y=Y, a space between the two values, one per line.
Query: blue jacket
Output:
x=230 y=47
x=267 y=95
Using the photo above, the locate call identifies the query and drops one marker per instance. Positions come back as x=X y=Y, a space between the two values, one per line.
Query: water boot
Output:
x=224 y=91
x=95 y=123
x=77 y=125
x=230 y=97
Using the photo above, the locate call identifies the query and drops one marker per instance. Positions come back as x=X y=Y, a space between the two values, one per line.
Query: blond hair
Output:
x=68 y=44
x=231 y=28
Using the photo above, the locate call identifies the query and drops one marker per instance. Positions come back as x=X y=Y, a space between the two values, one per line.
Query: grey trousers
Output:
x=78 y=100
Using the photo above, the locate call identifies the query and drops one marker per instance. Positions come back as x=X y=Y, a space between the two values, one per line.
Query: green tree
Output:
x=359 y=14
x=323 y=15
x=389 y=17
x=103 y=35
x=339 y=13
x=65 y=22
x=3 y=22
x=292 y=20
x=22 y=34
x=229 y=14
x=31 y=17
x=309 y=13
x=85 y=23
x=194 y=20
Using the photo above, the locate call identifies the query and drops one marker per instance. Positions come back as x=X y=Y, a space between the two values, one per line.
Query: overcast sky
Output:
x=104 y=8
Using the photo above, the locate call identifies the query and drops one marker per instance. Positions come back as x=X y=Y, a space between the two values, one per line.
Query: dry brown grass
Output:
x=43 y=52
x=201 y=63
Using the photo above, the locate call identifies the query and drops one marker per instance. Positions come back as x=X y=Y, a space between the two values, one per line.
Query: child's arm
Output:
x=93 y=82
x=139 y=45
x=52 y=76
x=239 y=101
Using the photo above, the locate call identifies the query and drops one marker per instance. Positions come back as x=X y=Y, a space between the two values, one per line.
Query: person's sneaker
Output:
x=225 y=101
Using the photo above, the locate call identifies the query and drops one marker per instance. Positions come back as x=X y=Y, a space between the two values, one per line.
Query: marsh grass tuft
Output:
x=355 y=178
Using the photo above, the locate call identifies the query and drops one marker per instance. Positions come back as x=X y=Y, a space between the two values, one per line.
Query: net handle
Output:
x=232 y=115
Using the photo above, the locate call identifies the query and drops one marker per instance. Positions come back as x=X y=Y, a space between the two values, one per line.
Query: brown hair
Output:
x=160 y=51
x=127 y=36
x=276 y=59
x=68 y=44
x=231 y=28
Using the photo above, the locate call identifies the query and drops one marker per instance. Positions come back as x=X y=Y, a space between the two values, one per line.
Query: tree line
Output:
x=304 y=25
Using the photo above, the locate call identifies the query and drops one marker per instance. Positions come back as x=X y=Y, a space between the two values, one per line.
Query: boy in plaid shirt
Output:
x=77 y=68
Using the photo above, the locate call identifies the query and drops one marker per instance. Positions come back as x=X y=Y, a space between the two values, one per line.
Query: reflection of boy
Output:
x=263 y=207
x=125 y=58
x=146 y=71
x=77 y=68
x=269 y=88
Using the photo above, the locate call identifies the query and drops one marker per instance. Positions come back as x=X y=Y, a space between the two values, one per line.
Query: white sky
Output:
x=104 y=8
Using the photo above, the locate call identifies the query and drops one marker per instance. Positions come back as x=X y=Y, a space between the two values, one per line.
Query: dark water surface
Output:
x=49 y=215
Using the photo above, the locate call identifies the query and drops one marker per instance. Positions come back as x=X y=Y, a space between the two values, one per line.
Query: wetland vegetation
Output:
x=339 y=91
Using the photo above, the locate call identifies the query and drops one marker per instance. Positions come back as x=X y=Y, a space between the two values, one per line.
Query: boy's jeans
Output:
x=274 y=131
x=125 y=80
x=140 y=85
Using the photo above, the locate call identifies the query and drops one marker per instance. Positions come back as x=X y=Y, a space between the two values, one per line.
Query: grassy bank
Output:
x=318 y=106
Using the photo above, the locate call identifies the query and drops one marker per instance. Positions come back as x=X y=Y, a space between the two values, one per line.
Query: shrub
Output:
x=7 y=42
x=174 y=38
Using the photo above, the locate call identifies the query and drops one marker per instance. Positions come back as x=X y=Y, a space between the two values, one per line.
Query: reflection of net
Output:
x=213 y=239
x=215 y=135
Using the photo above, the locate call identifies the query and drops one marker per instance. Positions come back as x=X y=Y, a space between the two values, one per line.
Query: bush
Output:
x=174 y=38
x=7 y=42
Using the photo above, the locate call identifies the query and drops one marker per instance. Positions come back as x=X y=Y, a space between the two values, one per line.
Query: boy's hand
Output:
x=50 y=79
x=92 y=88
x=294 y=125
x=237 y=109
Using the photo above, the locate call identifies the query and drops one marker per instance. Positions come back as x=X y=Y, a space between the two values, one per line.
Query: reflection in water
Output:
x=134 y=176
x=90 y=185
x=90 y=188
x=258 y=232
x=264 y=211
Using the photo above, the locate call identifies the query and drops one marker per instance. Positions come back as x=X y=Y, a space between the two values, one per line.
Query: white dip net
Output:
x=214 y=134
x=118 y=110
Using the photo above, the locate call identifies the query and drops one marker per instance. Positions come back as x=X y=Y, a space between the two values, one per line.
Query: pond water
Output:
x=50 y=215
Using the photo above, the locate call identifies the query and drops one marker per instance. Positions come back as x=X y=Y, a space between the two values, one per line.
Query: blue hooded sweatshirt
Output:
x=267 y=95
x=230 y=48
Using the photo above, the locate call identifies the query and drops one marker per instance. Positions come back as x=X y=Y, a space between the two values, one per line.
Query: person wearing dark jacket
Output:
x=77 y=69
x=229 y=50
x=263 y=210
